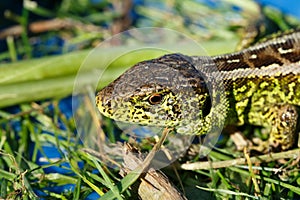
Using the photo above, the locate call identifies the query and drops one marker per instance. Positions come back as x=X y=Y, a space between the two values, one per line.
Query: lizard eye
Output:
x=155 y=99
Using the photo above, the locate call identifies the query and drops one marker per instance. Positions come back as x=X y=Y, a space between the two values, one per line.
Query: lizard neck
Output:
x=275 y=58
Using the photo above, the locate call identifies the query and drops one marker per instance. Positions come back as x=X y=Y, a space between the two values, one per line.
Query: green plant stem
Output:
x=241 y=161
x=54 y=76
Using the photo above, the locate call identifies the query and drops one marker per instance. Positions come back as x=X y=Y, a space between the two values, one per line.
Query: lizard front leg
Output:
x=279 y=119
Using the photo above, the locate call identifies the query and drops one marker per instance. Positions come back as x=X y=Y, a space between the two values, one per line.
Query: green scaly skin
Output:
x=259 y=85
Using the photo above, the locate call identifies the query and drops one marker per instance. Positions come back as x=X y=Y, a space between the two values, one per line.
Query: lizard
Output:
x=261 y=87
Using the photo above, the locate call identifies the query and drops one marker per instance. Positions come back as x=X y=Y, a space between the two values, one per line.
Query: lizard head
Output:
x=167 y=91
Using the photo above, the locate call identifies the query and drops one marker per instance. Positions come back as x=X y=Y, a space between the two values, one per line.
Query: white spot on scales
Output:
x=284 y=51
x=233 y=61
